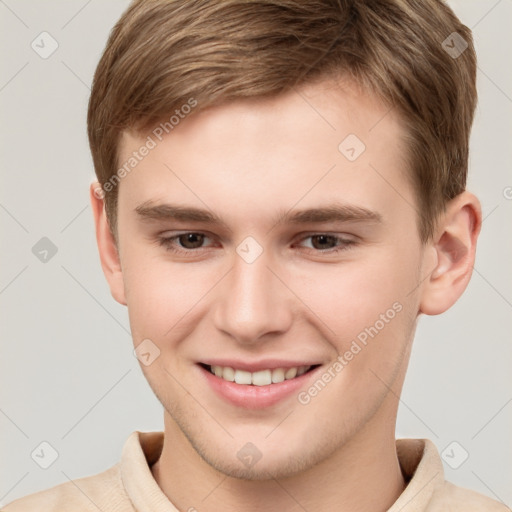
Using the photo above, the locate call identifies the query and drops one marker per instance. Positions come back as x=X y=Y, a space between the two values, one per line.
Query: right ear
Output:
x=107 y=246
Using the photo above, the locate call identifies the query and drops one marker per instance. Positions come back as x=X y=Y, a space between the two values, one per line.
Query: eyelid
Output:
x=336 y=234
x=345 y=237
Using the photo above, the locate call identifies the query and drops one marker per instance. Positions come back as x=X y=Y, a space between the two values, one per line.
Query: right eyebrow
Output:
x=149 y=211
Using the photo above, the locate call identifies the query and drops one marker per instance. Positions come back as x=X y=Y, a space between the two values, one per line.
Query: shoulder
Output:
x=103 y=491
x=427 y=490
x=454 y=499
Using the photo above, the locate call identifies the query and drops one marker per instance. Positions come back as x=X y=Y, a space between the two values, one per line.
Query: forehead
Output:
x=322 y=142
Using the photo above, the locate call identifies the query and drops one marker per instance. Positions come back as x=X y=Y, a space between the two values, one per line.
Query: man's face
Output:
x=315 y=255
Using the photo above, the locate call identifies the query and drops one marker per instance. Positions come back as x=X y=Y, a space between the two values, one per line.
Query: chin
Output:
x=278 y=468
x=284 y=459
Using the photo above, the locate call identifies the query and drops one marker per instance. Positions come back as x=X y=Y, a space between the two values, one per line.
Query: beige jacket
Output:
x=129 y=486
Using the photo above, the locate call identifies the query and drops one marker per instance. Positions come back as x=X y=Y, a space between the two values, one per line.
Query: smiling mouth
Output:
x=259 y=378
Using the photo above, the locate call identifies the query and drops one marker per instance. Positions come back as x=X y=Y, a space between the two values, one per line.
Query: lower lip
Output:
x=255 y=397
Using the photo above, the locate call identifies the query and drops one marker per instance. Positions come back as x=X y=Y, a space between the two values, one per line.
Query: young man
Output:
x=281 y=193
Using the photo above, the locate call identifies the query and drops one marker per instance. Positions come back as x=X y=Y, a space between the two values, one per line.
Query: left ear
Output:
x=454 y=245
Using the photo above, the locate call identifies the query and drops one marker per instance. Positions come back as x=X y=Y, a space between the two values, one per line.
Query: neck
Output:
x=363 y=475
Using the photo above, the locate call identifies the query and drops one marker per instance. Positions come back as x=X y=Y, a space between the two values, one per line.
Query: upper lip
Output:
x=255 y=366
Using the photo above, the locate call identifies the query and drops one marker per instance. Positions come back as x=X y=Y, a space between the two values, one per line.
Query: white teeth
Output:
x=243 y=377
x=228 y=374
x=290 y=373
x=259 y=378
x=262 y=378
x=277 y=375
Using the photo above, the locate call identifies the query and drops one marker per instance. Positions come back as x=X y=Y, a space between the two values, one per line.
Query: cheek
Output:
x=350 y=295
x=370 y=314
x=162 y=295
x=358 y=297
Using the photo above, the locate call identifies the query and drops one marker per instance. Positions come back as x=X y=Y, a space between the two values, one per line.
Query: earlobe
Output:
x=455 y=247
x=107 y=246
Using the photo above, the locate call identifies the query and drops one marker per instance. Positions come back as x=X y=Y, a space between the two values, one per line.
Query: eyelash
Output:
x=167 y=242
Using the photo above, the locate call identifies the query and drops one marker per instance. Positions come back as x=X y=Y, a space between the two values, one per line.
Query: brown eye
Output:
x=323 y=241
x=191 y=240
x=186 y=244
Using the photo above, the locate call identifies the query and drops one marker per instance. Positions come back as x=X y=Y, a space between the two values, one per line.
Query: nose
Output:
x=252 y=302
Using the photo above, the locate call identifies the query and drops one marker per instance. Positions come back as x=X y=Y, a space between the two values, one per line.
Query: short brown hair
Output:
x=415 y=55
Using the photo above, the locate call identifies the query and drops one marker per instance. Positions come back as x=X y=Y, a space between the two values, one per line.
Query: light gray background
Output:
x=68 y=375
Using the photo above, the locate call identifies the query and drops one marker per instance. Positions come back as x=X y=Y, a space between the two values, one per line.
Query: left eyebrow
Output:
x=330 y=213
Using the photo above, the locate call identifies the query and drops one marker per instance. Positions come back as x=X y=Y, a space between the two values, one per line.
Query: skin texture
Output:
x=247 y=162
